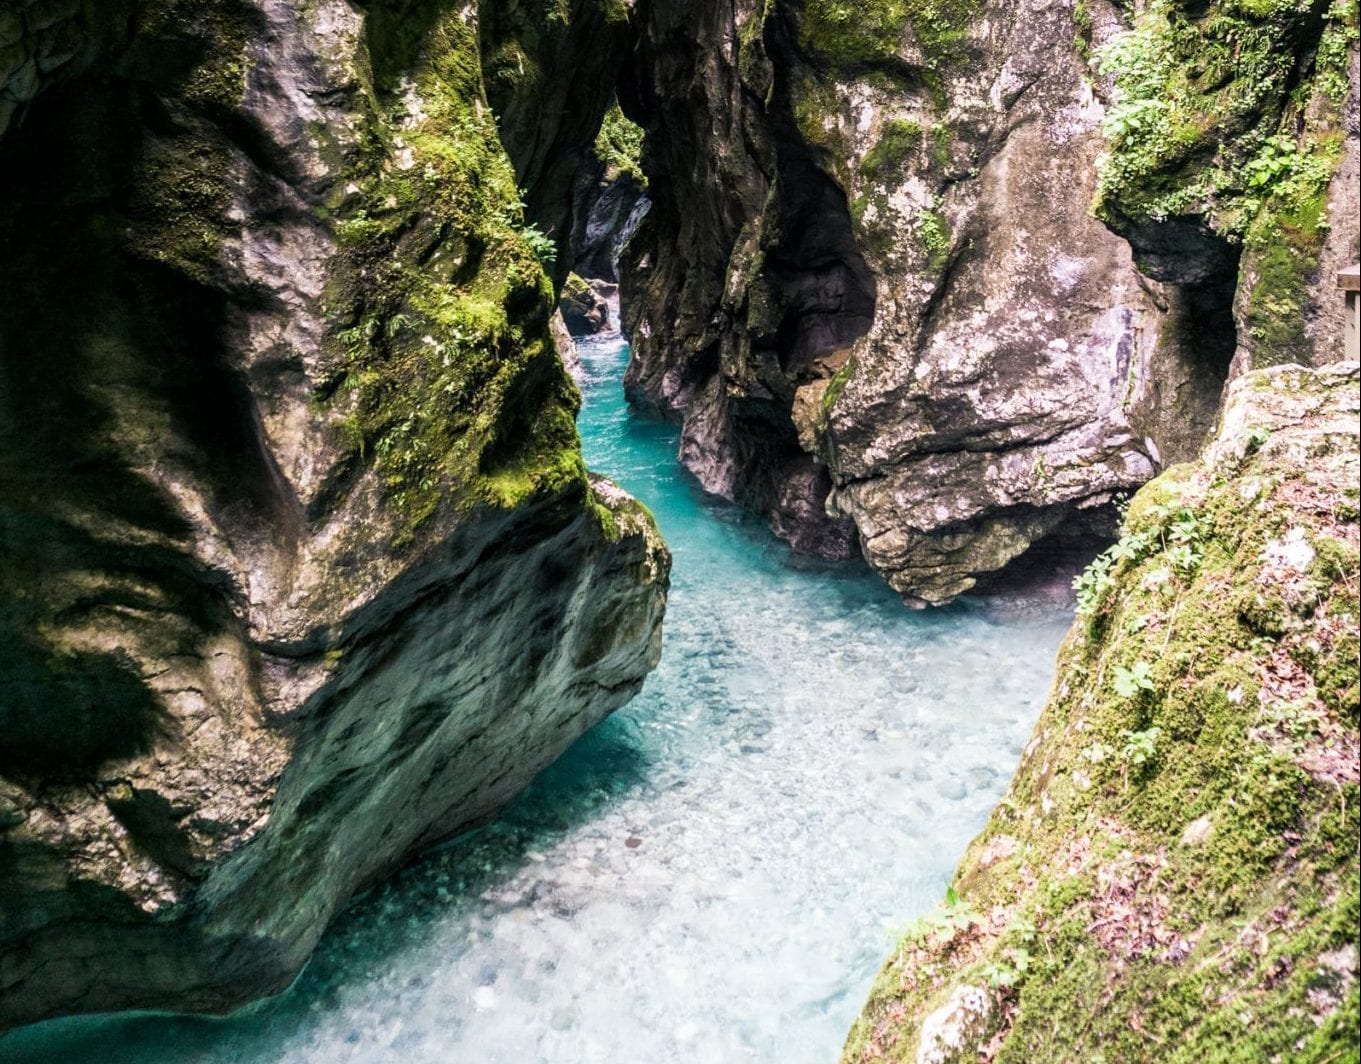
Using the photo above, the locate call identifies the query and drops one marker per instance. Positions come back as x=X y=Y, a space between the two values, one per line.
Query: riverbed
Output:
x=715 y=873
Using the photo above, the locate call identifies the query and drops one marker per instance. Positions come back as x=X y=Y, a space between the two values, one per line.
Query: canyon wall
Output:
x=302 y=568
x=872 y=287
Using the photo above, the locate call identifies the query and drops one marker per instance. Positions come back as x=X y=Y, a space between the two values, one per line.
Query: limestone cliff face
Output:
x=873 y=290
x=611 y=199
x=301 y=567
x=1173 y=874
x=745 y=279
x=551 y=71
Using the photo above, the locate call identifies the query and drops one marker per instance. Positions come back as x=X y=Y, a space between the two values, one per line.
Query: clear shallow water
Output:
x=715 y=873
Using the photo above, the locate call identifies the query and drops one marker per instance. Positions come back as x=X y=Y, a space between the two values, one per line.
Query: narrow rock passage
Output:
x=712 y=875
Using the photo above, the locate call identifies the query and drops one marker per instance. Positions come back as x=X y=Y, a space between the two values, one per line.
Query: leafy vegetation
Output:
x=1130 y=681
x=1233 y=116
x=1210 y=114
x=1177 y=535
x=943 y=922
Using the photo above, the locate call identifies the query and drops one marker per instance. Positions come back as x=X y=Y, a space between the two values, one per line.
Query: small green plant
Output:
x=1082 y=30
x=1278 y=157
x=1129 y=682
x=1093 y=582
x=942 y=923
x=1140 y=746
x=1178 y=533
x=1125 y=120
x=1010 y=971
x=545 y=250
x=1139 y=750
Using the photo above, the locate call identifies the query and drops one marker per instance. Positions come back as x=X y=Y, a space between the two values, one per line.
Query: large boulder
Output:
x=585 y=305
x=302 y=570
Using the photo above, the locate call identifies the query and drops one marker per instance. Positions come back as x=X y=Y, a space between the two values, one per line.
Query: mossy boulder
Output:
x=584 y=305
x=1173 y=874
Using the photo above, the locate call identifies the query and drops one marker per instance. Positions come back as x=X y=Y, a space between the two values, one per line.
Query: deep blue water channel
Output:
x=712 y=875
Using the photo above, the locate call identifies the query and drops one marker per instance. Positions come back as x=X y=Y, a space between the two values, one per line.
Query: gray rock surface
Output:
x=301 y=567
x=585 y=305
x=872 y=289
x=608 y=209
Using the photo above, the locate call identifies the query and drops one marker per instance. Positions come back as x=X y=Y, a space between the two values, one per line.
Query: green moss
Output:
x=934 y=230
x=619 y=145
x=898 y=142
x=836 y=386
x=1232 y=113
x=179 y=206
x=870 y=33
x=1284 y=242
x=213 y=42
x=439 y=303
x=1187 y=860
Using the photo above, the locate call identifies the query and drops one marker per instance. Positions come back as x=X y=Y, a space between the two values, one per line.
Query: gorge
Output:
x=304 y=571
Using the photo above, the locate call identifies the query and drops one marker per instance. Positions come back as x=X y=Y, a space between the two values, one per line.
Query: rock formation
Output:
x=611 y=199
x=585 y=305
x=551 y=67
x=1173 y=872
x=1234 y=155
x=302 y=569
x=871 y=286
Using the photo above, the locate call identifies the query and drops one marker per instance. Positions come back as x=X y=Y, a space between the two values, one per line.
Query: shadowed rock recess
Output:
x=873 y=289
x=302 y=568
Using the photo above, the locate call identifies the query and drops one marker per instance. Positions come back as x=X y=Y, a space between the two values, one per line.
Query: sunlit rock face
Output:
x=301 y=568
x=873 y=289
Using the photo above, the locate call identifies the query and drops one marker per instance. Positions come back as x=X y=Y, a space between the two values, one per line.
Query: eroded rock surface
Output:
x=301 y=567
x=585 y=305
x=873 y=291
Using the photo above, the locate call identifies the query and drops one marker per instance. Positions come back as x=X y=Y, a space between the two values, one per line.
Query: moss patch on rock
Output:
x=619 y=145
x=874 y=32
x=1173 y=874
x=1209 y=112
x=1230 y=120
x=440 y=303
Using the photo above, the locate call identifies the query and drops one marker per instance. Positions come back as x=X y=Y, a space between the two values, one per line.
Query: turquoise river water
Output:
x=712 y=875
